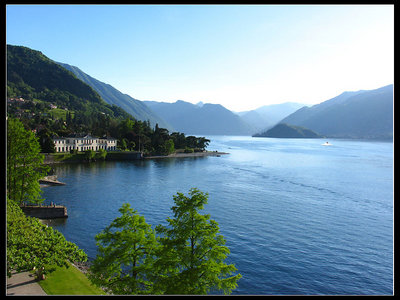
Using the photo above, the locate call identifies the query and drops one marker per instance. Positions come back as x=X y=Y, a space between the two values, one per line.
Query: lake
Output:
x=299 y=218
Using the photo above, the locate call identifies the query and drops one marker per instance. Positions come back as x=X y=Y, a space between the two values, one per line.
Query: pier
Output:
x=50 y=180
x=45 y=211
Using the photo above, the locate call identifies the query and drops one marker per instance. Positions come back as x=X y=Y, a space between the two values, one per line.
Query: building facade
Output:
x=84 y=143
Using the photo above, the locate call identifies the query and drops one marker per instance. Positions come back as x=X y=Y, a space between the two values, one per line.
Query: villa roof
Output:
x=81 y=136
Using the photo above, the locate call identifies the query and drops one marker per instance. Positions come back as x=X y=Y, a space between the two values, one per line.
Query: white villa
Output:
x=84 y=143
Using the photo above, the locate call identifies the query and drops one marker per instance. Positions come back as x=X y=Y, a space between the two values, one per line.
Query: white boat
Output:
x=326 y=144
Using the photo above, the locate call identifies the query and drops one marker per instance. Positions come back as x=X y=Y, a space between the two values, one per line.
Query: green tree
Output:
x=46 y=142
x=68 y=118
x=191 y=141
x=179 y=140
x=202 y=143
x=90 y=155
x=122 y=144
x=169 y=146
x=131 y=145
x=125 y=255
x=24 y=164
x=101 y=154
x=31 y=244
x=126 y=126
x=192 y=253
x=158 y=139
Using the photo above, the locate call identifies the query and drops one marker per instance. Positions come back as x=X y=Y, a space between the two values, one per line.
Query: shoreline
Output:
x=49 y=181
x=50 y=159
x=181 y=155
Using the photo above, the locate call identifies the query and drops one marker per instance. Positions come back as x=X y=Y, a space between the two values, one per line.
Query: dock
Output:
x=45 y=211
x=50 y=180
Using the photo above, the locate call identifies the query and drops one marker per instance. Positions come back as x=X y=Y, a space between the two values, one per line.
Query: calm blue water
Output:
x=299 y=218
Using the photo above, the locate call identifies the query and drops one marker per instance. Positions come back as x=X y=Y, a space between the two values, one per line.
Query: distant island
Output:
x=283 y=130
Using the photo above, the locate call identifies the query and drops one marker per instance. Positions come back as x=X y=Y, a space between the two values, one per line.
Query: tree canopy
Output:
x=192 y=255
x=24 y=163
x=125 y=255
x=186 y=257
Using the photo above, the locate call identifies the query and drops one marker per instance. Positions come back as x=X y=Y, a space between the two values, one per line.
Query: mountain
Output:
x=366 y=114
x=206 y=119
x=283 y=130
x=267 y=116
x=111 y=95
x=32 y=75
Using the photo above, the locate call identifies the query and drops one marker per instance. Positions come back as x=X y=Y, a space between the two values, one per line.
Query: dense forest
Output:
x=53 y=102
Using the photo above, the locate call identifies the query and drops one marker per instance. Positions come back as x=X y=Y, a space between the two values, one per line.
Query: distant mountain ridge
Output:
x=111 y=95
x=267 y=116
x=365 y=114
x=205 y=118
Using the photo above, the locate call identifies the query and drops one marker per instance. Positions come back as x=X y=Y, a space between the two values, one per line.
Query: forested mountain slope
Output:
x=361 y=114
x=32 y=75
x=111 y=95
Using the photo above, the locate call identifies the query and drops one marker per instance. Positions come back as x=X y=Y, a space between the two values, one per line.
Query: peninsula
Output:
x=283 y=130
x=193 y=154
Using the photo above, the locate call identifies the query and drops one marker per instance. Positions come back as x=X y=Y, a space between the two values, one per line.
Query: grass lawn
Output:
x=69 y=281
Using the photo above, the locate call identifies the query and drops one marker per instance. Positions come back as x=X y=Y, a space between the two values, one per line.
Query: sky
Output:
x=240 y=56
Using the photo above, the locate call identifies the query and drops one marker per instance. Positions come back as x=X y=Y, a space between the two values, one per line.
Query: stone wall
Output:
x=45 y=212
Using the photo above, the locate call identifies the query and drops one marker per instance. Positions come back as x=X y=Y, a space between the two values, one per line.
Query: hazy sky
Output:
x=240 y=56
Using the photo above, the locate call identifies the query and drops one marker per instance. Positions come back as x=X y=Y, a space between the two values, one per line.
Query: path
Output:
x=23 y=283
